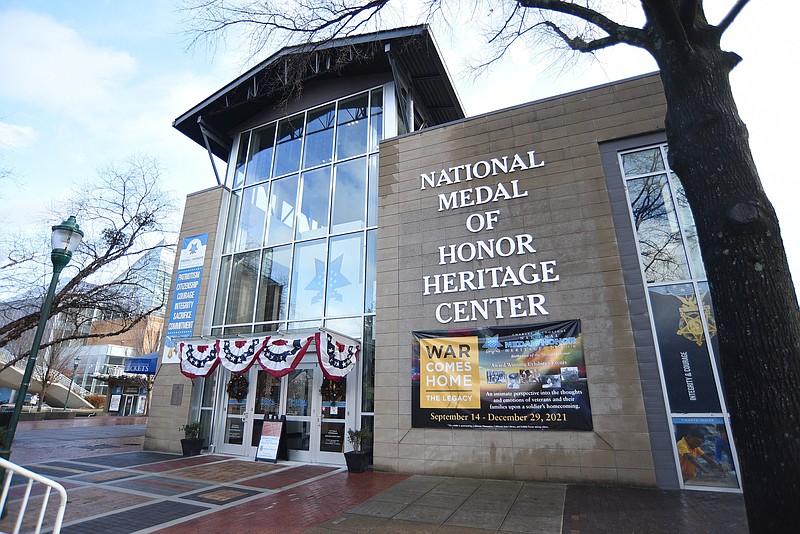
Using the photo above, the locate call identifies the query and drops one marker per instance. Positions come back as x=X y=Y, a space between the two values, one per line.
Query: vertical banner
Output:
x=184 y=298
x=682 y=343
x=501 y=377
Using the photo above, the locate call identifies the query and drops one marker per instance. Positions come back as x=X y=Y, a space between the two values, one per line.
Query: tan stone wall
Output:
x=201 y=215
x=568 y=212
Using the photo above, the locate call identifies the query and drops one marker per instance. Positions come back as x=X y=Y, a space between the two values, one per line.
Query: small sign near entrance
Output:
x=272 y=433
x=332 y=437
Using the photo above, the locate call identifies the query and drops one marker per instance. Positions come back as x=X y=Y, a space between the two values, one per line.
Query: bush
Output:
x=96 y=400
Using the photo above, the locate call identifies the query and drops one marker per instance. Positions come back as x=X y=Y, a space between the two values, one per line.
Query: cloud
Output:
x=13 y=136
x=48 y=64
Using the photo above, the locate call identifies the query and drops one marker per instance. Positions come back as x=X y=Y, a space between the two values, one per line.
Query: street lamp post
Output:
x=72 y=379
x=65 y=240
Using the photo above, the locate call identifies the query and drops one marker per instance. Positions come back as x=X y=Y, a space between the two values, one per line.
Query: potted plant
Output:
x=358 y=458
x=192 y=443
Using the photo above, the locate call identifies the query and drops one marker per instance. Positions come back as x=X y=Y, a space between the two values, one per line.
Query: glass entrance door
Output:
x=243 y=417
x=235 y=417
x=318 y=412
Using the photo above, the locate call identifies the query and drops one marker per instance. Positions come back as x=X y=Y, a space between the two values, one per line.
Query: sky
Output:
x=85 y=83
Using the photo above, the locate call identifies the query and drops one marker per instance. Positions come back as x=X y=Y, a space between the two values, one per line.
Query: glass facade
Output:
x=300 y=240
x=681 y=311
x=300 y=236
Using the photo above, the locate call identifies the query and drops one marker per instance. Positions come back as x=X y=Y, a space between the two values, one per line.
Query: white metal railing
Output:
x=10 y=470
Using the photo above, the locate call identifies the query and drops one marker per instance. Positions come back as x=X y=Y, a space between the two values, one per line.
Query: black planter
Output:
x=356 y=461
x=192 y=447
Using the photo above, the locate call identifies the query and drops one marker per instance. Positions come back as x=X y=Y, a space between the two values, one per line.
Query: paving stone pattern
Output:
x=144 y=492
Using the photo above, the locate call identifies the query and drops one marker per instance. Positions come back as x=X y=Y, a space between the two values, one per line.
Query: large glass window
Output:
x=308 y=280
x=370 y=278
x=656 y=223
x=312 y=221
x=376 y=119
x=290 y=139
x=260 y=166
x=344 y=287
x=351 y=134
x=241 y=161
x=233 y=221
x=253 y=217
x=282 y=202
x=349 y=196
x=319 y=136
x=241 y=295
x=273 y=288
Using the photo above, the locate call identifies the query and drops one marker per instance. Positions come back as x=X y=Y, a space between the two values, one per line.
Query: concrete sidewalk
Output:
x=142 y=492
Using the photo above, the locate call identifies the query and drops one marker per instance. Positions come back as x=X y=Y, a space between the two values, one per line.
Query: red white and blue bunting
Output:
x=337 y=354
x=198 y=359
x=276 y=355
x=280 y=356
x=237 y=355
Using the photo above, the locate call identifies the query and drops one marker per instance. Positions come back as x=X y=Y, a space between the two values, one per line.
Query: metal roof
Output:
x=413 y=50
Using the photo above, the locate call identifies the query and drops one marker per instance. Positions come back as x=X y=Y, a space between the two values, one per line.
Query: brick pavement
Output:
x=144 y=492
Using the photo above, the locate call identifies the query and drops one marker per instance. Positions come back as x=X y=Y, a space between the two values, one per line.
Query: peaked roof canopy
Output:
x=410 y=53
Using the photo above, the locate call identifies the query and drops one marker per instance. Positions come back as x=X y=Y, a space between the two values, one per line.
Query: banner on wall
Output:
x=185 y=296
x=501 y=377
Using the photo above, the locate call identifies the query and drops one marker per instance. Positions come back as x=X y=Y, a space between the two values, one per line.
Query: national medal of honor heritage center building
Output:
x=516 y=295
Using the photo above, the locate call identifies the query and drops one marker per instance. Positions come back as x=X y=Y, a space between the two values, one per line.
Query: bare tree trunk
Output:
x=756 y=309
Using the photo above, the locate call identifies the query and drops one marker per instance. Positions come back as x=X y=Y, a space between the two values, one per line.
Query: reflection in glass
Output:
x=237 y=330
x=367 y=357
x=232 y=223
x=350 y=188
x=298 y=435
x=660 y=244
x=268 y=394
x=243 y=287
x=312 y=219
x=282 y=201
x=319 y=137
x=241 y=160
x=260 y=166
x=376 y=119
x=287 y=151
x=334 y=395
x=642 y=162
x=372 y=191
x=349 y=326
x=370 y=279
x=344 y=291
x=308 y=280
x=351 y=133
x=689 y=229
x=209 y=385
x=273 y=289
x=253 y=217
x=222 y=289
x=299 y=392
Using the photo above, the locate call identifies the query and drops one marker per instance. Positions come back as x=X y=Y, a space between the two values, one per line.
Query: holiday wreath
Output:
x=237 y=387
x=332 y=391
